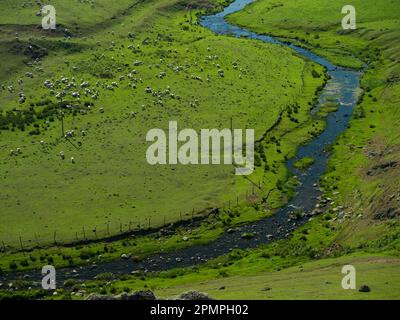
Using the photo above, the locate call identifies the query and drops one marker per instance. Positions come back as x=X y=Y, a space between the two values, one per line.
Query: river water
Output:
x=342 y=87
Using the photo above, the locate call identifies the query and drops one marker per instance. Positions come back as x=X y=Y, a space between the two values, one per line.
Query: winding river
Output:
x=342 y=87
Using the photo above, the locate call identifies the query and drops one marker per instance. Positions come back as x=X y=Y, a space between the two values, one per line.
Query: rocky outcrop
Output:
x=194 y=295
x=145 y=295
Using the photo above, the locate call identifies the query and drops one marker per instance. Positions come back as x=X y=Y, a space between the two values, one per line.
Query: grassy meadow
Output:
x=363 y=175
x=145 y=63
x=111 y=188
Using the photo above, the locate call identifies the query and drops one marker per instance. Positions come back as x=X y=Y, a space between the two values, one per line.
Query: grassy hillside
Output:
x=364 y=172
x=318 y=25
x=317 y=280
x=111 y=188
x=111 y=184
x=363 y=178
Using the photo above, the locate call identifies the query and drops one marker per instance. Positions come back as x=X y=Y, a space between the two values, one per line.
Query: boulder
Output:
x=144 y=295
x=364 y=288
x=194 y=295
x=97 y=297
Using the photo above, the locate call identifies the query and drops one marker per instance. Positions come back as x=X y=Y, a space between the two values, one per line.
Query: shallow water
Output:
x=343 y=86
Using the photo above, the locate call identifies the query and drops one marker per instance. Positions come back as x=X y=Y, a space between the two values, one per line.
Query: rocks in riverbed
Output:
x=248 y=235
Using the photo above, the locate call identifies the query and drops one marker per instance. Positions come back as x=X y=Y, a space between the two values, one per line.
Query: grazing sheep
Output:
x=72 y=160
x=69 y=134
x=22 y=99
x=48 y=84
x=62 y=155
x=85 y=84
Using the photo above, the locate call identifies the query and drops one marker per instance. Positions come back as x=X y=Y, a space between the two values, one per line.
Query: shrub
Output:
x=86 y=254
x=223 y=273
x=70 y=283
x=113 y=290
x=107 y=276
x=24 y=263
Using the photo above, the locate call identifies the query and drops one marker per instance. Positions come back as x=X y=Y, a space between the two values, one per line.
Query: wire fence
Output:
x=121 y=229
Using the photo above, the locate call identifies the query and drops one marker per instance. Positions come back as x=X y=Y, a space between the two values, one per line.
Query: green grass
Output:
x=317 y=280
x=80 y=14
x=304 y=163
x=111 y=184
x=372 y=138
x=318 y=25
x=44 y=194
x=281 y=265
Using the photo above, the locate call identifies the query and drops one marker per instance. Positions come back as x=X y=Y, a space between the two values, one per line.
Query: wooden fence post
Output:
x=20 y=241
